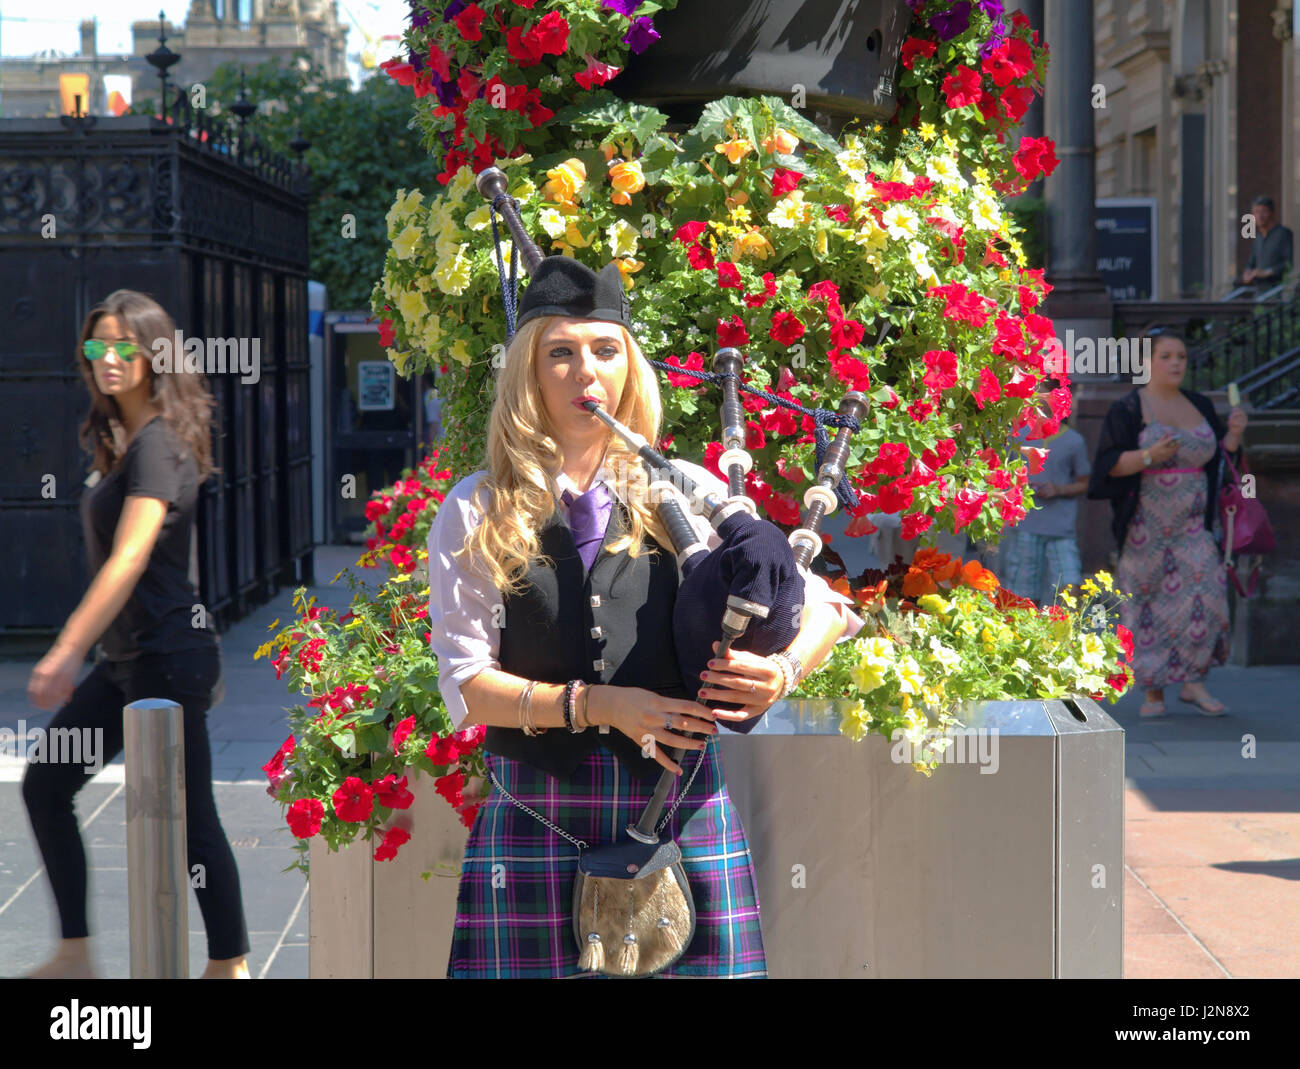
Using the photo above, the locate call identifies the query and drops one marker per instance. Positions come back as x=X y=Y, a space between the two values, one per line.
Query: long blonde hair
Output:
x=522 y=450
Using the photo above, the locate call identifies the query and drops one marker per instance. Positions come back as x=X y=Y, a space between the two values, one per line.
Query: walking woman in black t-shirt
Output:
x=148 y=432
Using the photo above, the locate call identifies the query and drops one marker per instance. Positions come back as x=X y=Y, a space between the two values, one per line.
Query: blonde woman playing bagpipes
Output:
x=583 y=669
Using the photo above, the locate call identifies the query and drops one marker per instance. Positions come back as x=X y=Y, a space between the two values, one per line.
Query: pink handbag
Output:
x=1245 y=527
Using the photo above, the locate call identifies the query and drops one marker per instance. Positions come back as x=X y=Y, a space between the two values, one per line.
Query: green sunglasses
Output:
x=93 y=349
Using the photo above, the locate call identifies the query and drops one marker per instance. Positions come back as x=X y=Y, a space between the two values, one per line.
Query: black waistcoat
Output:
x=612 y=625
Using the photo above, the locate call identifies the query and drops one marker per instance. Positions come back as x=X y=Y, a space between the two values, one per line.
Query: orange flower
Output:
x=939 y=565
x=917 y=583
x=974 y=574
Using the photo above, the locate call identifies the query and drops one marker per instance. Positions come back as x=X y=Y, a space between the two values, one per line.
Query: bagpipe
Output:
x=751 y=579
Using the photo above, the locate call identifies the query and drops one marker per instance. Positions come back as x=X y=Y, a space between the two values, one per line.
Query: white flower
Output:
x=944 y=655
x=852 y=164
x=943 y=210
x=789 y=211
x=943 y=169
x=985 y=212
x=552 y=222
x=901 y=222
x=916 y=255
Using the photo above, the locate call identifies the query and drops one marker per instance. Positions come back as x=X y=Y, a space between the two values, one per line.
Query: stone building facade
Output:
x=247 y=32
x=1200 y=113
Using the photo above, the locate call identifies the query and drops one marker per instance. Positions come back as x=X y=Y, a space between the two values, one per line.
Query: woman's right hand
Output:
x=645 y=718
x=1164 y=449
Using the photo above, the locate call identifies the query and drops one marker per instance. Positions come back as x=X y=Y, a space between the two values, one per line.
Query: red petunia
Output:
x=1011 y=60
x=1125 y=641
x=731 y=332
x=963 y=304
x=786 y=328
x=915 y=523
x=782 y=508
x=451 y=787
x=700 y=258
x=552 y=34
x=694 y=362
x=783 y=181
x=962 y=87
x=757 y=300
x=1021 y=384
x=990 y=389
x=1035 y=457
x=689 y=233
x=967 y=505
x=847 y=334
x=914 y=47
x=393 y=838
x=275 y=766
x=354 y=801
x=851 y=371
x=469 y=23
x=891 y=459
x=596 y=74
x=523 y=48
x=304 y=817
x=1035 y=157
x=729 y=275
x=920 y=410
x=941 y=371
x=895 y=496
x=402 y=732
x=392 y=792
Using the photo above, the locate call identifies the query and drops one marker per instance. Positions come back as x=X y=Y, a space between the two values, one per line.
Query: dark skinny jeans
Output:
x=189 y=678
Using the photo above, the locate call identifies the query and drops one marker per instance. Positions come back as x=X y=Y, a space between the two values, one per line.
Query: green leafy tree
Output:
x=363 y=146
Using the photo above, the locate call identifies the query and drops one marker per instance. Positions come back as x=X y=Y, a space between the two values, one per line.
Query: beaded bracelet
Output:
x=569 y=690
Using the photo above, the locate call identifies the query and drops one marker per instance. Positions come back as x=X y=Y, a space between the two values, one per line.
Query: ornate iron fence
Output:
x=194 y=212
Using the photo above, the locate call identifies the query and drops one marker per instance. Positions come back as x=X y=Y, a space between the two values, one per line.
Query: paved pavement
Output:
x=1212 y=814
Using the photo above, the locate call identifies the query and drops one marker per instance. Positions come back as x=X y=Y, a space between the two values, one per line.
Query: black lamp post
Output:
x=162 y=59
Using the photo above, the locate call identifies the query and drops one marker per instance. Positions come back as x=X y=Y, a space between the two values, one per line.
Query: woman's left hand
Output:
x=54 y=678
x=743 y=679
x=1237 y=422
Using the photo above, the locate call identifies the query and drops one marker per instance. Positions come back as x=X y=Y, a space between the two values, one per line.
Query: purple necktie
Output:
x=588 y=518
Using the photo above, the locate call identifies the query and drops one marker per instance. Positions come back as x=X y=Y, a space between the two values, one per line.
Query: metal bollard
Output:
x=156 y=854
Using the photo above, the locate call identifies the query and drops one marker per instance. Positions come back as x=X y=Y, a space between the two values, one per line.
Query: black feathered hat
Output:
x=561 y=286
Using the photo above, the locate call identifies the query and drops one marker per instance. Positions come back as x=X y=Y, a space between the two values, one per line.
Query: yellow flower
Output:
x=404 y=204
x=1068 y=599
x=628 y=267
x=412 y=308
x=622 y=237
x=524 y=190
x=916 y=256
x=565 y=181
x=934 y=603
x=782 y=141
x=926 y=130
x=878 y=651
x=453 y=275
x=948 y=142
x=735 y=150
x=867 y=676
x=1089 y=587
x=574 y=236
x=909 y=675
x=399 y=360
x=480 y=217
x=752 y=243
x=405 y=242
x=462 y=182
x=822 y=241
x=433 y=333
x=626 y=178
x=1106 y=580
x=459 y=352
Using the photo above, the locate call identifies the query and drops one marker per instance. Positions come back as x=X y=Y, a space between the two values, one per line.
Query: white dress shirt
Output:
x=466 y=610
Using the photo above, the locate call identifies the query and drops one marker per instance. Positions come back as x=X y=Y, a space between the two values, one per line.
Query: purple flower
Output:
x=623 y=7
x=948 y=24
x=999 y=34
x=915 y=5
x=419 y=16
x=454 y=9
x=640 y=35
x=992 y=8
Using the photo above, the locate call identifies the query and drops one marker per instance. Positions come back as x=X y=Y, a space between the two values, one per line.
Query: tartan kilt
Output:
x=524 y=926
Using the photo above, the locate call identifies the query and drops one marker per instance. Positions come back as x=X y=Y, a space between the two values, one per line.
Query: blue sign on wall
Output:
x=1126 y=247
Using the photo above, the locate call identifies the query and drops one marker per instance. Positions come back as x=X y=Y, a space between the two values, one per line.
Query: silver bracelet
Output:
x=526 y=717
